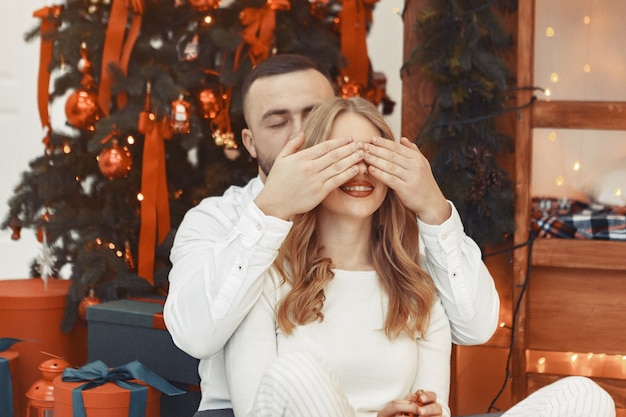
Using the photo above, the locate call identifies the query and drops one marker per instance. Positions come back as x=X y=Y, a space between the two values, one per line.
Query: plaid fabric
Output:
x=574 y=219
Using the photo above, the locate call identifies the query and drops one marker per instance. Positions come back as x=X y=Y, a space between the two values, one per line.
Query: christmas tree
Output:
x=462 y=50
x=154 y=107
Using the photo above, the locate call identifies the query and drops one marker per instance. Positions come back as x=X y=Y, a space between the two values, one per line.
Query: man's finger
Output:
x=292 y=145
x=328 y=146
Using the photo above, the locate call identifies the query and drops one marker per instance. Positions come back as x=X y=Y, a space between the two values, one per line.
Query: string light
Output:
x=554 y=77
x=559 y=180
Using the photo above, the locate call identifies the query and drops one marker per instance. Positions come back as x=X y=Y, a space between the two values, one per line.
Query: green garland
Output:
x=460 y=54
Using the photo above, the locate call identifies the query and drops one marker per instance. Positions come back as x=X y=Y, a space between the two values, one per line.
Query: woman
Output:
x=347 y=306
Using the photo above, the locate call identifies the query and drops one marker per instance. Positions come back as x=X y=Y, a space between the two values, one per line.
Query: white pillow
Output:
x=609 y=187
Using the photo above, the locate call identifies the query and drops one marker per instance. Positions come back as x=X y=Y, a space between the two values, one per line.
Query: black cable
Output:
x=518 y=304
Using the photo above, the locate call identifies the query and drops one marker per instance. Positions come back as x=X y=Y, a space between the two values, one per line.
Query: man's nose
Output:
x=297 y=124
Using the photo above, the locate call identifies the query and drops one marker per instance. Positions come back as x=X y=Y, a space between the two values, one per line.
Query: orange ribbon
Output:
x=116 y=50
x=155 y=209
x=259 y=28
x=49 y=22
x=353 y=27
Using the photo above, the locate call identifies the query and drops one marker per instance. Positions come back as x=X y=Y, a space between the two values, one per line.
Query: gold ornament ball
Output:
x=211 y=105
x=115 y=162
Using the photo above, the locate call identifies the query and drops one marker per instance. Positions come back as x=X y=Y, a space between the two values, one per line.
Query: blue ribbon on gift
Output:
x=97 y=373
x=6 y=388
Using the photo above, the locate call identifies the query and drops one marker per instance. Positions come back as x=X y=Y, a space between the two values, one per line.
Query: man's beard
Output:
x=265 y=164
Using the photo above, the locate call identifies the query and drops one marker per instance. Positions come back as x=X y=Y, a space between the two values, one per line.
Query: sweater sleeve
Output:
x=251 y=349
x=434 y=350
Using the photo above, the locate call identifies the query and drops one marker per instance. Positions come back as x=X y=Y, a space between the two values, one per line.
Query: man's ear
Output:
x=248 y=141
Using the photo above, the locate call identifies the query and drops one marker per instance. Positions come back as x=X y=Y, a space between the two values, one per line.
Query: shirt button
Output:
x=444 y=236
x=258 y=227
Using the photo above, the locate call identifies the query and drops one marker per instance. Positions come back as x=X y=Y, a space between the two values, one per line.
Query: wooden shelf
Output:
x=586 y=254
x=601 y=115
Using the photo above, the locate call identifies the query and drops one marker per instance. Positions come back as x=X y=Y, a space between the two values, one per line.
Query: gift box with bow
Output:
x=9 y=404
x=95 y=390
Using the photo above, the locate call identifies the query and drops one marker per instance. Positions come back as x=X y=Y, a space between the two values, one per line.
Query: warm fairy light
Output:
x=67 y=149
x=130 y=140
x=550 y=32
x=111 y=246
x=99 y=241
x=554 y=77
x=576 y=166
x=587 y=68
x=396 y=10
x=119 y=253
x=139 y=197
x=552 y=136
x=574 y=357
x=502 y=324
x=589 y=355
x=559 y=180
x=587 y=20
x=617 y=192
x=207 y=20
x=547 y=92
x=541 y=364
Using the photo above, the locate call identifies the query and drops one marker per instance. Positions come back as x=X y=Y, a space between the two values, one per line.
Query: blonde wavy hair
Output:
x=394 y=247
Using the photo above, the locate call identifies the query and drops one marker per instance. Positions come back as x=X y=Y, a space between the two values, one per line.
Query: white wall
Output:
x=20 y=140
x=19 y=120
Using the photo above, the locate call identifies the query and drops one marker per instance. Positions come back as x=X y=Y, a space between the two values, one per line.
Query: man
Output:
x=225 y=244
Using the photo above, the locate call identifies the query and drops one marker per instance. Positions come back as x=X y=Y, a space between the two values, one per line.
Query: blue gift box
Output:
x=123 y=331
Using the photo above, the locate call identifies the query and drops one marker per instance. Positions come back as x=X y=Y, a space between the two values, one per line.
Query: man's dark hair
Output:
x=281 y=64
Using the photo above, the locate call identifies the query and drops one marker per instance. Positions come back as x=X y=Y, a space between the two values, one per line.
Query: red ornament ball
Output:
x=81 y=109
x=90 y=300
x=115 y=162
x=204 y=5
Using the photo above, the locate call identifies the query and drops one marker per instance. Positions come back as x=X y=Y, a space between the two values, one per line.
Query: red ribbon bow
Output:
x=155 y=209
x=115 y=49
x=49 y=22
x=354 y=18
x=259 y=27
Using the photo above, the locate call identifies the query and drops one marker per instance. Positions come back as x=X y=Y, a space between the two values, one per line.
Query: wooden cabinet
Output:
x=571 y=319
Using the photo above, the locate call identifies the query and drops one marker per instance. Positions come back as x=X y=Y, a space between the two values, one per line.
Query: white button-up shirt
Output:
x=225 y=244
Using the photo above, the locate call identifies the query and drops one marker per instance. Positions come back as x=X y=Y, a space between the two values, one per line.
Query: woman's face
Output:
x=363 y=195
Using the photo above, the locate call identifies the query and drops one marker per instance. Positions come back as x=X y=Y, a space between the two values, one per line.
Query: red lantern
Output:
x=180 y=115
x=41 y=394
